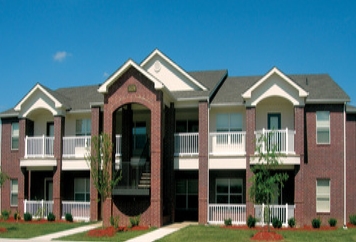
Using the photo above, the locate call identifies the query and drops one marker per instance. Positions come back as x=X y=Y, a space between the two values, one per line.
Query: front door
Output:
x=274 y=140
x=274 y=121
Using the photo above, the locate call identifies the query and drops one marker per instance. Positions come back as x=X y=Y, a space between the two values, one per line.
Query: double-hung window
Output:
x=82 y=189
x=229 y=191
x=14 y=190
x=323 y=127
x=226 y=123
x=15 y=136
x=322 y=195
x=83 y=127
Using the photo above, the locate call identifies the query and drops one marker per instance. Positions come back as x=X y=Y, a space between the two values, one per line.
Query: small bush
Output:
x=5 y=214
x=353 y=219
x=68 y=217
x=316 y=222
x=251 y=221
x=135 y=221
x=114 y=221
x=277 y=224
x=332 y=222
x=228 y=222
x=51 y=217
x=291 y=222
x=27 y=217
x=17 y=216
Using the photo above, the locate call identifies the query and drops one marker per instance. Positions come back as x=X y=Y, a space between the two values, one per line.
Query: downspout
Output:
x=345 y=226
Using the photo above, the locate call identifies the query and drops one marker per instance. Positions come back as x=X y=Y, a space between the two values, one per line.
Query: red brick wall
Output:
x=250 y=150
x=95 y=131
x=351 y=165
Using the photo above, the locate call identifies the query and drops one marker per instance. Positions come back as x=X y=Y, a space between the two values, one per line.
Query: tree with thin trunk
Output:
x=103 y=174
x=266 y=182
x=3 y=177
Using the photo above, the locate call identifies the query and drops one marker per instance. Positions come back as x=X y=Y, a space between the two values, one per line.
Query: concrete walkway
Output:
x=148 y=237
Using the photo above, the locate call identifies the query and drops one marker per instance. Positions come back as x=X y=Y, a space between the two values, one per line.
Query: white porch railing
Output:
x=219 y=212
x=38 y=209
x=39 y=147
x=118 y=145
x=76 y=146
x=186 y=143
x=282 y=212
x=282 y=139
x=229 y=143
x=79 y=210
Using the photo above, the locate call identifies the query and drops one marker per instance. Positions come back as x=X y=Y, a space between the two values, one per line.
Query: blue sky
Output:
x=73 y=43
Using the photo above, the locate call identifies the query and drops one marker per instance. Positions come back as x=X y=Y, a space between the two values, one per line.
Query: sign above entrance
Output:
x=131 y=88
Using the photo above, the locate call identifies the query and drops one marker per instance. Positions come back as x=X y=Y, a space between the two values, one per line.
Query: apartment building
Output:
x=185 y=143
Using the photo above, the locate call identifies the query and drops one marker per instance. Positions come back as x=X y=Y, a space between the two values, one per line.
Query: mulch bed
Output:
x=35 y=221
x=111 y=231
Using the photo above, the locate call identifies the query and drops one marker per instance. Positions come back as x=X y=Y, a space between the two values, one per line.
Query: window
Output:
x=83 y=127
x=229 y=191
x=139 y=134
x=187 y=126
x=82 y=189
x=15 y=136
x=229 y=122
x=323 y=195
x=187 y=194
x=323 y=127
x=14 y=189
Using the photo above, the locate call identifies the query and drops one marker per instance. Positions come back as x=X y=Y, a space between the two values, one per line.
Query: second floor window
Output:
x=187 y=126
x=229 y=122
x=15 y=136
x=83 y=127
x=323 y=127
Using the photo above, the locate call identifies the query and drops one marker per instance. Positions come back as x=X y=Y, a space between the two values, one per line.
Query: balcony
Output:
x=39 y=147
x=229 y=143
x=76 y=146
x=186 y=144
x=282 y=140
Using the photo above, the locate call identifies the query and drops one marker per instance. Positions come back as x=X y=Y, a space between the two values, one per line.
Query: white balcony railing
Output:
x=282 y=140
x=76 y=146
x=219 y=212
x=186 y=143
x=118 y=145
x=39 y=147
x=38 y=209
x=282 y=212
x=228 y=143
x=79 y=210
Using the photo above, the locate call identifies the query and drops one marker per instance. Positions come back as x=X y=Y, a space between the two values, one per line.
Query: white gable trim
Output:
x=175 y=66
x=105 y=87
x=248 y=93
x=57 y=104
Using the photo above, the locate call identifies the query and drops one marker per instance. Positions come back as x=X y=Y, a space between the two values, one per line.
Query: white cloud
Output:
x=61 y=56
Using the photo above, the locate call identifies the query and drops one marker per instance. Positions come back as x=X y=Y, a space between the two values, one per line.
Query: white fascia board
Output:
x=184 y=73
x=105 y=87
x=227 y=104
x=57 y=104
x=275 y=70
x=326 y=101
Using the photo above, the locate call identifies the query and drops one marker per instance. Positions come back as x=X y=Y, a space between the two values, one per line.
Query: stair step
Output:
x=144 y=186
x=144 y=182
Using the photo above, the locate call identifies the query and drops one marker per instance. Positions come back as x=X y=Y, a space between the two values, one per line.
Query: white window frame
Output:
x=86 y=188
x=229 y=193
x=15 y=135
x=85 y=127
x=322 y=125
x=14 y=192
x=322 y=195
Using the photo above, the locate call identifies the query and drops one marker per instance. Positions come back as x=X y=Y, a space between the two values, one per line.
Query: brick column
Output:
x=299 y=150
x=203 y=162
x=58 y=138
x=21 y=154
x=250 y=150
x=95 y=131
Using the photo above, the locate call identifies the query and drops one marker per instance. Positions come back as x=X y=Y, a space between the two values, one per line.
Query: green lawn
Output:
x=29 y=230
x=120 y=236
x=214 y=233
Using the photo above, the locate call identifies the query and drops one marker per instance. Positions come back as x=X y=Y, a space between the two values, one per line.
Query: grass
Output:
x=25 y=230
x=121 y=236
x=214 y=233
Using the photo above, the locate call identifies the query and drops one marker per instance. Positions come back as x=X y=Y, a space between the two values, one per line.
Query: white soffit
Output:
x=173 y=76
x=105 y=86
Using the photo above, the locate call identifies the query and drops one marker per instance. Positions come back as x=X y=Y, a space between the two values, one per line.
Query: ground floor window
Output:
x=14 y=188
x=229 y=191
x=323 y=195
x=82 y=189
x=187 y=194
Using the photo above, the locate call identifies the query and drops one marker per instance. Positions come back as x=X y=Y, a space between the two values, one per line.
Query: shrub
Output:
x=5 y=214
x=277 y=224
x=353 y=219
x=17 y=216
x=51 y=217
x=114 y=221
x=135 y=221
x=316 y=222
x=68 y=217
x=291 y=222
x=251 y=221
x=27 y=217
x=228 y=222
x=332 y=222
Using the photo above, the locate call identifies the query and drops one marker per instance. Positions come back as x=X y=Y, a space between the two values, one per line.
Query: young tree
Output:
x=265 y=181
x=3 y=177
x=104 y=177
